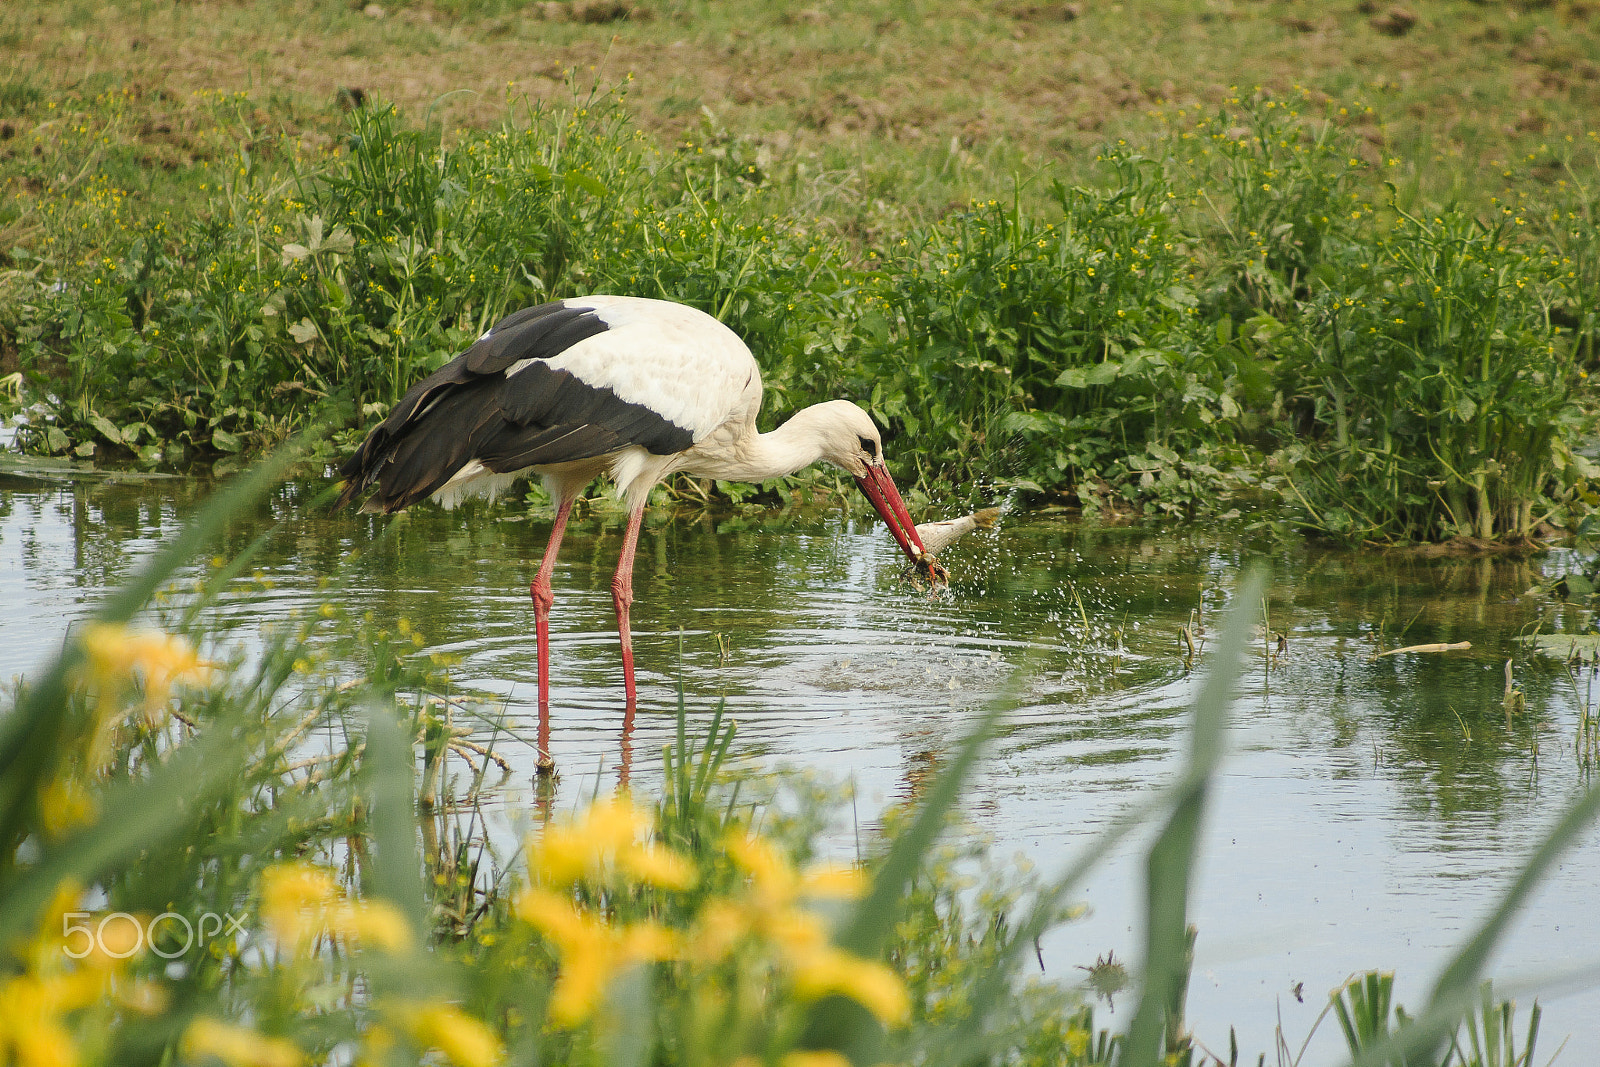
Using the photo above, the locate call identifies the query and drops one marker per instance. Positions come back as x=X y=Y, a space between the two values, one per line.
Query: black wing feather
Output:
x=470 y=410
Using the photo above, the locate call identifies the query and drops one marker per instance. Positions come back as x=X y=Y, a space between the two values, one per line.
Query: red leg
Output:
x=622 y=596
x=543 y=598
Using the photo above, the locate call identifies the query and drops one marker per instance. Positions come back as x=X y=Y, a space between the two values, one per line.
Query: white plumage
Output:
x=695 y=362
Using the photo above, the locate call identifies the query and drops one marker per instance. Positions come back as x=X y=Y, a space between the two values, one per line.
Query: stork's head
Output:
x=851 y=441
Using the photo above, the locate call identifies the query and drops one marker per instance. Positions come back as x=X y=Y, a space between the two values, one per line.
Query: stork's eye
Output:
x=869 y=446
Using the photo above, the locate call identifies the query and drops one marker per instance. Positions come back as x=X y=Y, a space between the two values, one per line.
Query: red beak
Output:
x=879 y=488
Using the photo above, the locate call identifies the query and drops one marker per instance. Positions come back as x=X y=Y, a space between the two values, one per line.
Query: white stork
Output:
x=627 y=387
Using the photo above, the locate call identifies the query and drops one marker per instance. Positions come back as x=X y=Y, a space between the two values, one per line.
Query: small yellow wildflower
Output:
x=800 y=937
x=591 y=951
x=771 y=877
x=607 y=837
x=657 y=867
x=237 y=1046
x=814 y=1058
x=1077 y=1040
x=34 y=1004
x=115 y=653
x=65 y=804
x=844 y=883
x=869 y=983
x=299 y=902
x=465 y=1041
x=33 y=1033
x=376 y=1044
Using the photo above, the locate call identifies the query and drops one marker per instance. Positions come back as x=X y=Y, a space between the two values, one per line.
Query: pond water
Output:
x=1370 y=809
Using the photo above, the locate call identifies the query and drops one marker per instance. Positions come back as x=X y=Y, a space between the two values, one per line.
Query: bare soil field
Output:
x=908 y=97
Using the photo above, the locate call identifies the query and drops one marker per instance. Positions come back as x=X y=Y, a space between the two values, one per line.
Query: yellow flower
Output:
x=299 y=902
x=798 y=933
x=1077 y=1040
x=591 y=951
x=722 y=925
x=814 y=1058
x=53 y=983
x=463 y=1039
x=115 y=653
x=288 y=892
x=375 y=1046
x=31 y=1030
x=606 y=838
x=65 y=804
x=771 y=876
x=868 y=982
x=798 y=937
x=237 y=1046
x=376 y=923
x=656 y=866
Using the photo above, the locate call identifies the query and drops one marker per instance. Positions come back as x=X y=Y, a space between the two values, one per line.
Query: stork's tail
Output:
x=349 y=489
x=358 y=472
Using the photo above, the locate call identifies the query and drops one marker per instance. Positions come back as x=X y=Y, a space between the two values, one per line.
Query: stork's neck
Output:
x=755 y=457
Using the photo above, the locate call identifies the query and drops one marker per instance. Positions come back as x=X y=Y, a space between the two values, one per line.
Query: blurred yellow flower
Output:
x=771 y=913
x=115 y=653
x=845 y=883
x=237 y=1046
x=606 y=838
x=869 y=983
x=32 y=1033
x=656 y=866
x=34 y=1004
x=465 y=1041
x=300 y=902
x=289 y=894
x=722 y=925
x=1077 y=1040
x=65 y=804
x=797 y=932
x=772 y=879
x=375 y=1046
x=814 y=1058
x=591 y=951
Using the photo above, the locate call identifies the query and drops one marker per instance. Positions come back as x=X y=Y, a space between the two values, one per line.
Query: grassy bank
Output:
x=213 y=856
x=1275 y=290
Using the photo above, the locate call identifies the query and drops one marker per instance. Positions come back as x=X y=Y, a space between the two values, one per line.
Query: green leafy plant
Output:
x=1443 y=387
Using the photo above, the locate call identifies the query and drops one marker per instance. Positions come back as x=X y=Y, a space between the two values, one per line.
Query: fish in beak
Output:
x=879 y=488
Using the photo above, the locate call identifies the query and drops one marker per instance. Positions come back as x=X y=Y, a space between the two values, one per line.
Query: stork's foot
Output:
x=545 y=768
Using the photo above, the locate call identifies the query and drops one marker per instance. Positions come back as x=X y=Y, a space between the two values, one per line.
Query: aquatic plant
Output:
x=1442 y=391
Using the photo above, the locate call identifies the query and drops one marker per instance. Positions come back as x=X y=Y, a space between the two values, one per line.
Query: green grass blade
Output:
x=868 y=928
x=389 y=767
x=1463 y=970
x=1454 y=992
x=836 y=1022
x=1170 y=865
x=993 y=990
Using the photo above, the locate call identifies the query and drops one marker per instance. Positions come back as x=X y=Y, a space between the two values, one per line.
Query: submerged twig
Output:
x=1434 y=647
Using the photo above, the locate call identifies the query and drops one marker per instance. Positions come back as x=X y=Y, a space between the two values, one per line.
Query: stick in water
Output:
x=1436 y=647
